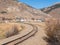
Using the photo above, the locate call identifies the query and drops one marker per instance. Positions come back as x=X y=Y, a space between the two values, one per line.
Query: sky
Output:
x=40 y=3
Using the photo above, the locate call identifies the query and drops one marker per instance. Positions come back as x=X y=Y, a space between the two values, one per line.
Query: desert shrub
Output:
x=53 y=32
x=12 y=32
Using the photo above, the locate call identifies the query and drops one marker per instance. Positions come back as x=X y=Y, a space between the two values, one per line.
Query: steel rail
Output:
x=23 y=38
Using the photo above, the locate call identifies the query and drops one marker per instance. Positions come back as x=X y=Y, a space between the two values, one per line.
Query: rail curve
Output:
x=19 y=38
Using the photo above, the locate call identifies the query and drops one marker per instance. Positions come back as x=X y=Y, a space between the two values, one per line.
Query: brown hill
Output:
x=53 y=10
x=12 y=9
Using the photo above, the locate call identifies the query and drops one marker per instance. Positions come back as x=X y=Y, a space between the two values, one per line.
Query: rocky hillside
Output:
x=53 y=10
x=12 y=9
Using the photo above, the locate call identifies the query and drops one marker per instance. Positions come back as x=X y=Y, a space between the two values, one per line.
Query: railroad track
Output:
x=19 y=40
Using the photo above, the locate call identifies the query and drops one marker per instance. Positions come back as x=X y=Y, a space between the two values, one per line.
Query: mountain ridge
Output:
x=53 y=10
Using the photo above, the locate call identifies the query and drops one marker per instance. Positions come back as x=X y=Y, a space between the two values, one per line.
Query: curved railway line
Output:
x=20 y=39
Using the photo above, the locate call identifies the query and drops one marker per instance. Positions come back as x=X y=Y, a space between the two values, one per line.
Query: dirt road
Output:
x=37 y=39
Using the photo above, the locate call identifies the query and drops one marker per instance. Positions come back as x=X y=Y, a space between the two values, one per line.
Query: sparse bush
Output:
x=53 y=32
x=12 y=32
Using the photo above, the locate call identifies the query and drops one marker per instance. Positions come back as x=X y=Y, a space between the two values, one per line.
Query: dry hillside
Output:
x=12 y=9
x=53 y=10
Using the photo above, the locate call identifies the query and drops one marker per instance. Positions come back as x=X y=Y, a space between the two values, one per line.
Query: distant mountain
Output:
x=13 y=8
x=53 y=10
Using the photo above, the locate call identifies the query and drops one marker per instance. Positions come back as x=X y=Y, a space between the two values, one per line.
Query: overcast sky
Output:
x=39 y=3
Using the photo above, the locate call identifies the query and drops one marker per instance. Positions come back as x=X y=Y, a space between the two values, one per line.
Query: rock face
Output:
x=12 y=9
x=53 y=10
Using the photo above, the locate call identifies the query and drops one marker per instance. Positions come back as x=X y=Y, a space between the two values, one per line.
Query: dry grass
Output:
x=9 y=29
x=53 y=32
